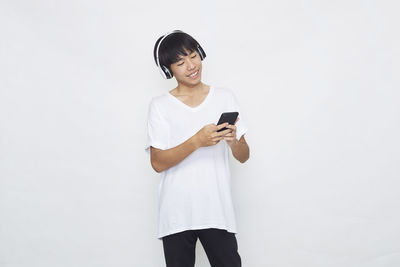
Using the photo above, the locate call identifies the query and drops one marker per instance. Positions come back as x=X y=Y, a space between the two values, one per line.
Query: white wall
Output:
x=318 y=82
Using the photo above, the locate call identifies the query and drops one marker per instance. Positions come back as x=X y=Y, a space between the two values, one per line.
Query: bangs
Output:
x=174 y=56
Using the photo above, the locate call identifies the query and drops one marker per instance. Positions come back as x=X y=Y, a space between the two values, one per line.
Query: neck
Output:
x=190 y=89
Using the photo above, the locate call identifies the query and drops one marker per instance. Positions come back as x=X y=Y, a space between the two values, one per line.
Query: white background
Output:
x=318 y=82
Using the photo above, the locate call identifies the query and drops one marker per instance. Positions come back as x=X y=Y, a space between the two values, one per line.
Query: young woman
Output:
x=193 y=157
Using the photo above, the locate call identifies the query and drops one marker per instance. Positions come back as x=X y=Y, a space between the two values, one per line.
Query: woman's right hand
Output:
x=208 y=135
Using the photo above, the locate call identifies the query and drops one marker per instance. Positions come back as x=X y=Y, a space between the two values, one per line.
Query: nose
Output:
x=191 y=64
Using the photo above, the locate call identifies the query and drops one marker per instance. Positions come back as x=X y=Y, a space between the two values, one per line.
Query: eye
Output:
x=194 y=56
x=180 y=64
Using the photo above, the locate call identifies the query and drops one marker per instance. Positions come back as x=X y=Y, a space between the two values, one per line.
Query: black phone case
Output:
x=229 y=117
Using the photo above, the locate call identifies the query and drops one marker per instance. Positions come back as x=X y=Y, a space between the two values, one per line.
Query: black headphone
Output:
x=165 y=72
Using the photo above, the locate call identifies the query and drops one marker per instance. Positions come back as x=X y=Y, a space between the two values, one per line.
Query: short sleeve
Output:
x=157 y=129
x=241 y=127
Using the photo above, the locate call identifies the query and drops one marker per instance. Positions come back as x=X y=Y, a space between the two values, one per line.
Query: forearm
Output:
x=240 y=150
x=165 y=159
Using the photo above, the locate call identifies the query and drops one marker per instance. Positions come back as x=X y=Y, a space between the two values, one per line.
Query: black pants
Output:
x=220 y=246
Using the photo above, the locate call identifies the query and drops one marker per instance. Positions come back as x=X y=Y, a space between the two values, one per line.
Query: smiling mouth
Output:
x=193 y=74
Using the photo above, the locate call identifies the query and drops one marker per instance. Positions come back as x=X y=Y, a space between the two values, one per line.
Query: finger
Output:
x=230 y=126
x=222 y=125
x=221 y=133
x=228 y=134
x=224 y=132
x=217 y=139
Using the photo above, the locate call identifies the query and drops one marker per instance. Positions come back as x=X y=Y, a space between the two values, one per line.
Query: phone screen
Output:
x=229 y=117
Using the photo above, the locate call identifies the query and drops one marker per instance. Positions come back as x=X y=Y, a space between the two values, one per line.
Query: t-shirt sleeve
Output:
x=157 y=129
x=241 y=127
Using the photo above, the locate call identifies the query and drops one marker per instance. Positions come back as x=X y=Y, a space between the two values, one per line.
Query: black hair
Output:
x=172 y=47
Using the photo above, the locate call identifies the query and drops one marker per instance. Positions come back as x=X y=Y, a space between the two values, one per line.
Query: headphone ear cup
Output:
x=167 y=73
x=201 y=52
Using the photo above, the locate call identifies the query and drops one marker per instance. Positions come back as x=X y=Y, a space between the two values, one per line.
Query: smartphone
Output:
x=229 y=117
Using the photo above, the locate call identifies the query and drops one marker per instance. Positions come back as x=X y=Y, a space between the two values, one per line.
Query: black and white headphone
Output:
x=165 y=72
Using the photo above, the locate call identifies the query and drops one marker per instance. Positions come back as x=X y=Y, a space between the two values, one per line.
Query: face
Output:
x=187 y=65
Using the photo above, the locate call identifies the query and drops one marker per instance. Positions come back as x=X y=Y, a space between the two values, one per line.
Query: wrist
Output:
x=195 y=142
x=233 y=143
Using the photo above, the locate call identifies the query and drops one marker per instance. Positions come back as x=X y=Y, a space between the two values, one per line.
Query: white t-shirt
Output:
x=195 y=193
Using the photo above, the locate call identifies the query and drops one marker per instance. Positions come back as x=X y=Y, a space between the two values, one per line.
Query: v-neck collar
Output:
x=205 y=100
